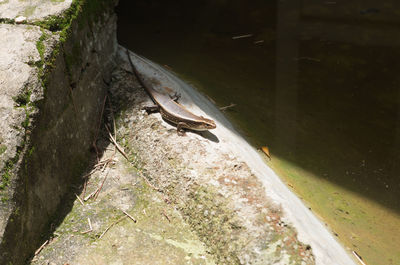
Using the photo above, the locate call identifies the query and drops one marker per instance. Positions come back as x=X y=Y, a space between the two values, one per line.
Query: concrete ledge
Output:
x=32 y=10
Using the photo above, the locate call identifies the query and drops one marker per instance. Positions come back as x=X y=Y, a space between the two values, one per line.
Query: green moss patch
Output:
x=80 y=10
x=3 y=148
x=7 y=20
x=23 y=98
x=159 y=232
x=7 y=172
x=29 y=11
x=208 y=214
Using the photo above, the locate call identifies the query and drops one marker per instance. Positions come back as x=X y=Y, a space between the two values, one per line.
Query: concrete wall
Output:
x=51 y=98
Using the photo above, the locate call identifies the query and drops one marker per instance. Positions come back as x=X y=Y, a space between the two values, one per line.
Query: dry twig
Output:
x=41 y=247
x=101 y=186
x=227 y=107
x=90 y=227
x=166 y=216
x=116 y=222
x=79 y=199
x=242 y=36
x=119 y=148
x=358 y=258
x=90 y=173
x=130 y=216
x=90 y=195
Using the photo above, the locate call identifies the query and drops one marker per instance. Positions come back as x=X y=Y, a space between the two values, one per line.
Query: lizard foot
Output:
x=151 y=109
x=179 y=129
x=175 y=97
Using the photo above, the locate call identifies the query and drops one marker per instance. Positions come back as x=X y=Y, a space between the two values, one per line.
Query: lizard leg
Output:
x=175 y=97
x=153 y=108
x=179 y=128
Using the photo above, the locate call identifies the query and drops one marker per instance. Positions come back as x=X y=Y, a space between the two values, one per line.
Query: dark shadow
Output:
x=77 y=184
x=208 y=135
x=320 y=93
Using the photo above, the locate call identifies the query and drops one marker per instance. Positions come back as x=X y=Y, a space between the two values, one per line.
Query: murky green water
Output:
x=317 y=82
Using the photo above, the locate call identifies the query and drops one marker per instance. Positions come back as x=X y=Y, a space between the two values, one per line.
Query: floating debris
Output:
x=266 y=152
x=359 y=258
x=242 y=36
x=227 y=107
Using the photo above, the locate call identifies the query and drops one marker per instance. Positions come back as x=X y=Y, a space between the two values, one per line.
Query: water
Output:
x=317 y=82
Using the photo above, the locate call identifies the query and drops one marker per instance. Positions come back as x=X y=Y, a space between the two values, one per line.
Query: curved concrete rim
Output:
x=326 y=249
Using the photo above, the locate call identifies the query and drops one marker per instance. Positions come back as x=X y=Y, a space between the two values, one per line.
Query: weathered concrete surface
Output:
x=159 y=235
x=215 y=190
x=201 y=188
x=325 y=248
x=51 y=94
x=17 y=48
x=32 y=10
x=195 y=198
x=18 y=86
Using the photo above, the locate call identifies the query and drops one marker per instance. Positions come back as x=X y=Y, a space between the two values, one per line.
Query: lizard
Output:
x=171 y=110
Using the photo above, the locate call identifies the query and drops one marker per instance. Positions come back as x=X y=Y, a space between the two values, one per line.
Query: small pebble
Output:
x=20 y=19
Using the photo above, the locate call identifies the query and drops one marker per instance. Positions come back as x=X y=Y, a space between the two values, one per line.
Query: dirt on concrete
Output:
x=193 y=202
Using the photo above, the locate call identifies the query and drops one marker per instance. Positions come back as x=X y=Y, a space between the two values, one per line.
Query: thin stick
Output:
x=89 y=174
x=358 y=258
x=41 y=247
x=242 y=36
x=104 y=165
x=166 y=216
x=101 y=186
x=101 y=163
x=90 y=224
x=85 y=232
x=108 y=228
x=227 y=107
x=210 y=99
x=133 y=219
x=90 y=195
x=90 y=227
x=79 y=199
x=116 y=144
x=150 y=184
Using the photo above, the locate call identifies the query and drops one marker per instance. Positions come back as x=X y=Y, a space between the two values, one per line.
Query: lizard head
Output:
x=208 y=123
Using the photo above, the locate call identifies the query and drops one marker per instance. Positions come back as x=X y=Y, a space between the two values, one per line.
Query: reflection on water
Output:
x=317 y=81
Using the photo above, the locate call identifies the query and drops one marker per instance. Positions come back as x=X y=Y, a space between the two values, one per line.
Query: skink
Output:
x=171 y=110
